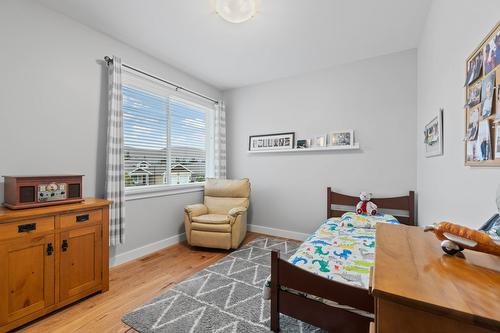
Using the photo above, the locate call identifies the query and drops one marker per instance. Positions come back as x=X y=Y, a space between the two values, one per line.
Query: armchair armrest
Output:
x=196 y=210
x=237 y=211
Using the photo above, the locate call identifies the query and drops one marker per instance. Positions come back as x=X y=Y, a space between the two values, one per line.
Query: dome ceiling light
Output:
x=236 y=11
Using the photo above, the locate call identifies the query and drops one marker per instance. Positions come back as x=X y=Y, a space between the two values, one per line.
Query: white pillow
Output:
x=353 y=220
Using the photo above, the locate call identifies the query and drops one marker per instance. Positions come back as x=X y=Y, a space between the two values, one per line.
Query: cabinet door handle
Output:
x=26 y=227
x=64 y=245
x=82 y=218
x=50 y=249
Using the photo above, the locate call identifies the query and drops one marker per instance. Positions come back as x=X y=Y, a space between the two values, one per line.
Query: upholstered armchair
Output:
x=221 y=221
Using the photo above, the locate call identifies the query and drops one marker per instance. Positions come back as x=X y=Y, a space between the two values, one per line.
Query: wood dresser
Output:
x=51 y=257
x=417 y=288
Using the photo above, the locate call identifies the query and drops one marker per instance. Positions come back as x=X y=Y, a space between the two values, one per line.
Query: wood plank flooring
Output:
x=131 y=285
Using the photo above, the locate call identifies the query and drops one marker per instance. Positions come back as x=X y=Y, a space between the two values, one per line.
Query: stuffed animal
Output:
x=455 y=238
x=365 y=206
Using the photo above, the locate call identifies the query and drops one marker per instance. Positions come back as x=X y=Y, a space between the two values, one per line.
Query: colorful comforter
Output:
x=342 y=249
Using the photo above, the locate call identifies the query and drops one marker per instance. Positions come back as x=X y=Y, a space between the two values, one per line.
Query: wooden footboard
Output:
x=332 y=319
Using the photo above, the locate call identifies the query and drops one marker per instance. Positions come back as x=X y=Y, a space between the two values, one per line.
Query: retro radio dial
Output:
x=51 y=192
x=52 y=187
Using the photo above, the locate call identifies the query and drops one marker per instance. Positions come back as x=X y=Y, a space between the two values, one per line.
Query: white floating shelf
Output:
x=305 y=150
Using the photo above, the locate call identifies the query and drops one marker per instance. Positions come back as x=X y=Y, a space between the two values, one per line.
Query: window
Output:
x=167 y=138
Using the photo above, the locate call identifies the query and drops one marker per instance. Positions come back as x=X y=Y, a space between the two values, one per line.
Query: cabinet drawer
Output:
x=81 y=218
x=26 y=227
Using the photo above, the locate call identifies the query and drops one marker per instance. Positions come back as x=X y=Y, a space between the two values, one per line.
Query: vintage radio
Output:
x=36 y=191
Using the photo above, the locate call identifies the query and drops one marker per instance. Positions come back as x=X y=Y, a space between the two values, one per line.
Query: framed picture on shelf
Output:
x=319 y=141
x=497 y=142
x=301 y=144
x=473 y=125
x=433 y=136
x=497 y=117
x=474 y=94
x=471 y=151
x=277 y=141
x=487 y=92
x=341 y=138
x=474 y=68
x=483 y=142
x=490 y=55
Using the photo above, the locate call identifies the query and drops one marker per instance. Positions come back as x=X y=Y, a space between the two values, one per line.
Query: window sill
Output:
x=143 y=192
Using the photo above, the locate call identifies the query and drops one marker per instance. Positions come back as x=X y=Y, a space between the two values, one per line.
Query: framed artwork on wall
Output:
x=277 y=141
x=433 y=136
x=482 y=103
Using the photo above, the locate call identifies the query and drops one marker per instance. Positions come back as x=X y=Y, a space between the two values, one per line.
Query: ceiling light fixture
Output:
x=236 y=11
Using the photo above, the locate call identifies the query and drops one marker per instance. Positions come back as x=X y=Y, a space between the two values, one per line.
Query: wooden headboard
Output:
x=404 y=203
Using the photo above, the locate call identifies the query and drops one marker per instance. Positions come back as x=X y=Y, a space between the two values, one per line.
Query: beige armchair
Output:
x=221 y=221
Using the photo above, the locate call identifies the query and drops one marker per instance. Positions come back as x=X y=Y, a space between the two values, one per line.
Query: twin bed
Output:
x=326 y=282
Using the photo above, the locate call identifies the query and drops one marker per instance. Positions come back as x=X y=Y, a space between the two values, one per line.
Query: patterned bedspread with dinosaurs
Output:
x=342 y=249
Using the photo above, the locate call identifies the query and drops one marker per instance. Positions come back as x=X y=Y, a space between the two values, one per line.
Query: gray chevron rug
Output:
x=226 y=297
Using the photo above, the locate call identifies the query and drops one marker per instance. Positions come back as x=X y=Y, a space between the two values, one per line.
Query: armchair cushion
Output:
x=196 y=210
x=217 y=205
x=227 y=188
x=211 y=227
x=237 y=211
x=212 y=219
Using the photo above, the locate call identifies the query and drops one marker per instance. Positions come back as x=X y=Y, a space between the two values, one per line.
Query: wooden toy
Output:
x=455 y=238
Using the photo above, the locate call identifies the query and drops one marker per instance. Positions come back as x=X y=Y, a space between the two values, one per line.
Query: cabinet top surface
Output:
x=411 y=267
x=9 y=214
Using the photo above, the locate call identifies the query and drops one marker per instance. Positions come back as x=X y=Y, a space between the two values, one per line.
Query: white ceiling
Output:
x=286 y=38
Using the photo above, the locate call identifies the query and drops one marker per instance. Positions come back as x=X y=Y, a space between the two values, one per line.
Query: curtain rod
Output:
x=177 y=87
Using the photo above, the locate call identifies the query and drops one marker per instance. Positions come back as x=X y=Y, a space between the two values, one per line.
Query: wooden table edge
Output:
x=484 y=322
x=21 y=214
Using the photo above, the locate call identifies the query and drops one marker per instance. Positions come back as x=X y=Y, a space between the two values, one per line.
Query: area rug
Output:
x=226 y=297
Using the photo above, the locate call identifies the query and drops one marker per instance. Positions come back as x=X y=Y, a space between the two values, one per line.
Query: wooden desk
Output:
x=417 y=288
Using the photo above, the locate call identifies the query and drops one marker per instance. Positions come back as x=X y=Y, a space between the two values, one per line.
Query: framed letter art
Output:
x=278 y=141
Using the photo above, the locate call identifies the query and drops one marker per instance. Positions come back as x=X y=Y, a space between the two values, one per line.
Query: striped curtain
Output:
x=115 y=180
x=220 y=141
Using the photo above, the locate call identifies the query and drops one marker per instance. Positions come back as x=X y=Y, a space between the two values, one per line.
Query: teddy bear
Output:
x=365 y=206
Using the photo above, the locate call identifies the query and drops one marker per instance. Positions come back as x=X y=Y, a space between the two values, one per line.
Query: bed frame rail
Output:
x=284 y=274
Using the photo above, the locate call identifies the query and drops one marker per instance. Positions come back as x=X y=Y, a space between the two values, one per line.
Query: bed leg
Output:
x=275 y=314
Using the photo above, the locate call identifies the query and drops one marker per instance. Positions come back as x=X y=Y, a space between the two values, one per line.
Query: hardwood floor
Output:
x=131 y=285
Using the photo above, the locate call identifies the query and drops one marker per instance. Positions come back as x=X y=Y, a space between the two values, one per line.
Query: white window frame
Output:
x=142 y=82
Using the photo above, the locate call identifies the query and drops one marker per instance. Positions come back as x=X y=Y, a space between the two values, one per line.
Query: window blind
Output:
x=188 y=138
x=165 y=139
x=145 y=137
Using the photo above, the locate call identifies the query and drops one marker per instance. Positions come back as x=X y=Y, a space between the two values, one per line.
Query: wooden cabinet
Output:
x=419 y=289
x=81 y=265
x=27 y=269
x=51 y=257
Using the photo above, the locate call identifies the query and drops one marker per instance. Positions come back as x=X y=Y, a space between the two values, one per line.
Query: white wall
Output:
x=53 y=104
x=376 y=97
x=447 y=190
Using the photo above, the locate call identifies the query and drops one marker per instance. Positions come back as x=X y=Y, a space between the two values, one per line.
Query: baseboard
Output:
x=153 y=247
x=145 y=250
x=278 y=232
